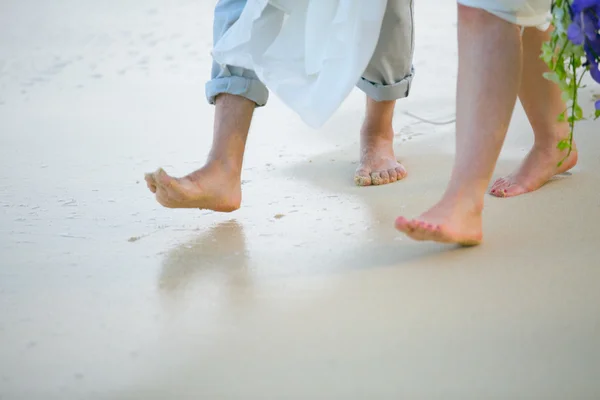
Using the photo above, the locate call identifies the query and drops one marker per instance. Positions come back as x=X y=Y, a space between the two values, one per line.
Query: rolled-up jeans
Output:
x=387 y=77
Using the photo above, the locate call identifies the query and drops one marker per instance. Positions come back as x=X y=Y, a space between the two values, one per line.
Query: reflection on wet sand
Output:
x=218 y=257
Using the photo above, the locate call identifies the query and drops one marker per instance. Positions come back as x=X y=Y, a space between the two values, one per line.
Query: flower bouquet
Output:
x=573 y=50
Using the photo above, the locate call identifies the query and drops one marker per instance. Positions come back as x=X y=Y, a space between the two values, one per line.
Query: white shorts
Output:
x=519 y=12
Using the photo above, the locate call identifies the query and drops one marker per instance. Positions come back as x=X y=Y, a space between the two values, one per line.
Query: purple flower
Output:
x=597 y=105
x=595 y=70
x=590 y=24
x=575 y=33
x=579 y=6
x=584 y=30
x=585 y=23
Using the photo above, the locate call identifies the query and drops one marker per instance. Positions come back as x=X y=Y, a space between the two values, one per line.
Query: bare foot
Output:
x=450 y=221
x=378 y=164
x=211 y=187
x=540 y=165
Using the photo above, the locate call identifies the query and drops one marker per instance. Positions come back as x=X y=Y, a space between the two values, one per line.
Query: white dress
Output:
x=309 y=53
x=520 y=12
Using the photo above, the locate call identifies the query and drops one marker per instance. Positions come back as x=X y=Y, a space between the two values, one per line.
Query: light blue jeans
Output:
x=387 y=77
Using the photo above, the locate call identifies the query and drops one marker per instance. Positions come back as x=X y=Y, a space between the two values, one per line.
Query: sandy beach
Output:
x=308 y=291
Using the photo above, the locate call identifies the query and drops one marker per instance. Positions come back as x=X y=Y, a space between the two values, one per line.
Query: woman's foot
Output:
x=212 y=187
x=450 y=221
x=540 y=165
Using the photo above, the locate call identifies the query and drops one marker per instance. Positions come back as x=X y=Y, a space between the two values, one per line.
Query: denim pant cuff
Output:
x=252 y=89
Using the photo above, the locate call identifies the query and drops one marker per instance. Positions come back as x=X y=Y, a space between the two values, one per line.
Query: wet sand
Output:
x=307 y=292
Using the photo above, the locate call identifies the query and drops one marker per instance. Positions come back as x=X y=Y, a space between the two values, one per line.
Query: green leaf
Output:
x=562 y=117
x=560 y=70
x=563 y=144
x=546 y=55
x=553 y=77
x=578 y=112
x=597 y=114
x=565 y=87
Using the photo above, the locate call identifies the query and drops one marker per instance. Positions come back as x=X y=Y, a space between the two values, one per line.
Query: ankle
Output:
x=550 y=146
x=376 y=132
x=223 y=165
x=548 y=137
x=467 y=201
x=380 y=115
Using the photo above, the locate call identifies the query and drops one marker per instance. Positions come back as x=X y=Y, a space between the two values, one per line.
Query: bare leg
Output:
x=217 y=185
x=387 y=78
x=543 y=103
x=378 y=164
x=489 y=72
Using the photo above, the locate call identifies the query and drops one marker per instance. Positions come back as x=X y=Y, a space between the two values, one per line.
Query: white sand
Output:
x=105 y=295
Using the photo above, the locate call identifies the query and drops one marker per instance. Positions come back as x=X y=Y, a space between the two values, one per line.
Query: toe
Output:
x=376 y=178
x=401 y=172
x=162 y=178
x=498 y=192
x=499 y=185
x=385 y=177
x=429 y=231
x=150 y=182
x=414 y=224
x=403 y=224
x=419 y=230
x=514 y=190
x=393 y=175
x=362 y=178
x=175 y=188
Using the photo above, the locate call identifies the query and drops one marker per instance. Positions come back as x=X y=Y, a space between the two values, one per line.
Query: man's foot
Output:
x=378 y=164
x=211 y=187
x=450 y=221
x=540 y=165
